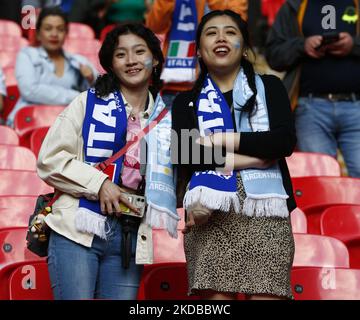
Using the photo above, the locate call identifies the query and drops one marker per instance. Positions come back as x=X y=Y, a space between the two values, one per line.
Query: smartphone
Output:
x=328 y=37
x=138 y=201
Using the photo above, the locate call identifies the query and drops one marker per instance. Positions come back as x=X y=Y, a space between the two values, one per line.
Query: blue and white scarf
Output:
x=265 y=193
x=160 y=189
x=104 y=133
x=180 y=63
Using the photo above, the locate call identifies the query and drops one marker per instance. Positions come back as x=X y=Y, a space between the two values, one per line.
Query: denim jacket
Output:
x=38 y=83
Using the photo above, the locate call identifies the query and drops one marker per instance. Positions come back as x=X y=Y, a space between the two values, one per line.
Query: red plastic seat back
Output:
x=22 y=183
x=10 y=100
x=14 y=217
x=326 y=284
x=320 y=251
x=13 y=246
x=36 y=139
x=304 y=164
x=30 y=281
x=12 y=43
x=314 y=194
x=8 y=27
x=343 y=223
x=82 y=46
x=18 y=202
x=8 y=137
x=167 y=282
x=79 y=30
x=298 y=221
x=17 y=158
x=7 y=59
x=105 y=31
x=167 y=249
x=31 y=117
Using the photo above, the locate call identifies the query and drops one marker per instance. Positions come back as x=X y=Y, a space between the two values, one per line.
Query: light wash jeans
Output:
x=323 y=126
x=77 y=272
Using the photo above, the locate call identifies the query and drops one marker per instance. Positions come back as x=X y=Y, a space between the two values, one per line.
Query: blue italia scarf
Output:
x=180 y=63
x=104 y=133
x=265 y=193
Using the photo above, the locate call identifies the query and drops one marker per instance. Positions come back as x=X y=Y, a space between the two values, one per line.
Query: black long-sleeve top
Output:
x=277 y=143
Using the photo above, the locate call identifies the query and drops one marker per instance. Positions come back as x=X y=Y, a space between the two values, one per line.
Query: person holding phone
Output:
x=320 y=53
x=90 y=255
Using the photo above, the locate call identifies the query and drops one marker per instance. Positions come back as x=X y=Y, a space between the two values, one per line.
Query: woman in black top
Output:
x=228 y=251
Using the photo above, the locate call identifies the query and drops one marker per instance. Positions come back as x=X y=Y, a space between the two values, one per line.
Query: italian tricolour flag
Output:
x=181 y=49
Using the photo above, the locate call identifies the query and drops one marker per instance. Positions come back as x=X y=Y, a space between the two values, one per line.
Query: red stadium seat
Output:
x=165 y=282
x=7 y=59
x=12 y=43
x=270 y=8
x=22 y=183
x=18 y=202
x=14 y=217
x=8 y=136
x=80 y=31
x=82 y=46
x=36 y=139
x=320 y=251
x=10 y=79
x=304 y=164
x=13 y=245
x=343 y=223
x=30 y=281
x=314 y=194
x=10 y=100
x=326 y=284
x=31 y=117
x=17 y=158
x=298 y=221
x=167 y=249
x=105 y=31
x=8 y=27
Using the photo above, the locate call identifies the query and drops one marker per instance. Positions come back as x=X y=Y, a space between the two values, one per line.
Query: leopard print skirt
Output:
x=234 y=253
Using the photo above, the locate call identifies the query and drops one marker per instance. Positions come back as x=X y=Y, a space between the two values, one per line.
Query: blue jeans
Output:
x=323 y=126
x=77 y=272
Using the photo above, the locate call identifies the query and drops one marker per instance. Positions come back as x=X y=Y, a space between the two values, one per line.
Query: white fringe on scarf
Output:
x=212 y=199
x=178 y=75
x=90 y=222
x=267 y=207
x=157 y=217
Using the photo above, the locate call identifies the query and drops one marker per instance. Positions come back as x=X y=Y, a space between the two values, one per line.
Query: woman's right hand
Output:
x=110 y=196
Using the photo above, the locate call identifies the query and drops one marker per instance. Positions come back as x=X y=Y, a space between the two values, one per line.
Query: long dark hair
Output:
x=246 y=64
x=109 y=82
x=51 y=11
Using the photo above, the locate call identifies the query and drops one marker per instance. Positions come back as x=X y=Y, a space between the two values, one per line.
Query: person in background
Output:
x=47 y=74
x=177 y=20
x=126 y=11
x=65 y=5
x=238 y=236
x=322 y=73
x=90 y=12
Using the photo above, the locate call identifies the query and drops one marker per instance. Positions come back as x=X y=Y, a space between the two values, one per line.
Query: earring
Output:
x=245 y=54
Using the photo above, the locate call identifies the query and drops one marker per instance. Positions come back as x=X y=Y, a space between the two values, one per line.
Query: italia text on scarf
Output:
x=104 y=133
x=180 y=63
x=265 y=193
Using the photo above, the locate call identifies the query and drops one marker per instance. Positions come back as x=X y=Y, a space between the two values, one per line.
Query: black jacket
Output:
x=277 y=143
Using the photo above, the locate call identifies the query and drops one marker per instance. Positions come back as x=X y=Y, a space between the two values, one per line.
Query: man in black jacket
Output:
x=317 y=43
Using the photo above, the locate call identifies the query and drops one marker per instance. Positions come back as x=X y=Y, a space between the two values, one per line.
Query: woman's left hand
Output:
x=87 y=73
x=229 y=140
